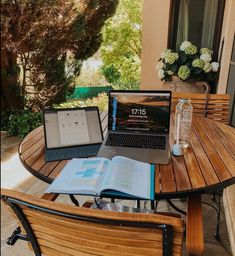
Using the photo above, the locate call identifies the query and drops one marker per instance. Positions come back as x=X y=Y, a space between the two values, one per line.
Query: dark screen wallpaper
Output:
x=139 y=112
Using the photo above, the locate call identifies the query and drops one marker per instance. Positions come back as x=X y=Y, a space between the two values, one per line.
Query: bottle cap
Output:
x=185 y=100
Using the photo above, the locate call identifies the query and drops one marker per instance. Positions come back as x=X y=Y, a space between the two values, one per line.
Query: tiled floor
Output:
x=14 y=176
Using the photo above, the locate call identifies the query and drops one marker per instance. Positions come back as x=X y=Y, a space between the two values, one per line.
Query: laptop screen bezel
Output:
x=138 y=92
x=53 y=110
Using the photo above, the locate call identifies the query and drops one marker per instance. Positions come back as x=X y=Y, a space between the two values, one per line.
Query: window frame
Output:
x=173 y=24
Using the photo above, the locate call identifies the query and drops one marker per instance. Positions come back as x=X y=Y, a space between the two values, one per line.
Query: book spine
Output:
x=152 y=181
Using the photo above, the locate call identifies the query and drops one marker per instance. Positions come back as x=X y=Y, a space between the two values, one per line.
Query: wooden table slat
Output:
x=171 y=137
x=105 y=132
x=225 y=135
x=190 y=171
x=58 y=169
x=181 y=174
x=39 y=135
x=216 y=137
x=167 y=178
x=230 y=129
x=39 y=163
x=157 y=179
x=218 y=165
x=103 y=115
x=104 y=124
x=194 y=171
x=35 y=156
x=32 y=134
x=31 y=151
x=48 y=168
x=208 y=171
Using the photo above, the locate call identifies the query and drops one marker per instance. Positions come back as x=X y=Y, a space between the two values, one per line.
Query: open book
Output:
x=120 y=176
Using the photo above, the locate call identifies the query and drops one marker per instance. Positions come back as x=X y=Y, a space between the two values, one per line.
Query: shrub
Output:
x=70 y=104
x=101 y=101
x=20 y=122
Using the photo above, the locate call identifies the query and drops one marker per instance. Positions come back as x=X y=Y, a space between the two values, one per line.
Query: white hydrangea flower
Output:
x=159 y=65
x=206 y=57
x=171 y=57
x=214 y=66
x=161 y=73
x=205 y=50
x=169 y=72
x=184 y=45
x=207 y=67
x=165 y=53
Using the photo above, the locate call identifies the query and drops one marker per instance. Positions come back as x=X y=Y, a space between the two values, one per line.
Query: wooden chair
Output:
x=56 y=229
x=214 y=106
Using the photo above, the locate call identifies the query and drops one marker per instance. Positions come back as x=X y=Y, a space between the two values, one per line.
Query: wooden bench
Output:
x=56 y=229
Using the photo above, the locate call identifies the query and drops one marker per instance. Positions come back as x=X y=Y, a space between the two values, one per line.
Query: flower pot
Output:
x=191 y=86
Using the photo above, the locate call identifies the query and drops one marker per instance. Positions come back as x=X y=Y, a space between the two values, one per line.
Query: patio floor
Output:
x=15 y=176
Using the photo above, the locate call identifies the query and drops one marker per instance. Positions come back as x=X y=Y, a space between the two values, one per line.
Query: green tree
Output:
x=121 y=47
x=44 y=44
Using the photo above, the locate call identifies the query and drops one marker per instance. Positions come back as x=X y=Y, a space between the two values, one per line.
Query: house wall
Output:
x=228 y=31
x=154 y=40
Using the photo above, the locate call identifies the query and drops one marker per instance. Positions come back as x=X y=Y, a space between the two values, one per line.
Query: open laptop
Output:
x=71 y=133
x=138 y=126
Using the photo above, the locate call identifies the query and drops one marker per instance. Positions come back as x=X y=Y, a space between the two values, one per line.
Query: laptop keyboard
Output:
x=69 y=153
x=136 y=141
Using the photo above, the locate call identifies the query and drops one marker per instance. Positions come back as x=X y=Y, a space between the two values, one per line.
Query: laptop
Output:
x=71 y=133
x=138 y=126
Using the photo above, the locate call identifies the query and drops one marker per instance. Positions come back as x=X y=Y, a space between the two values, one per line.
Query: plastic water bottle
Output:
x=183 y=121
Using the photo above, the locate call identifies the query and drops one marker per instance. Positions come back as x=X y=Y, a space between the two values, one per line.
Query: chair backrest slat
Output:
x=67 y=230
x=197 y=100
x=218 y=107
x=214 y=106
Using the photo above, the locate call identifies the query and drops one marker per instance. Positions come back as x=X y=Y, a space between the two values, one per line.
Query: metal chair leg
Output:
x=217 y=233
x=218 y=211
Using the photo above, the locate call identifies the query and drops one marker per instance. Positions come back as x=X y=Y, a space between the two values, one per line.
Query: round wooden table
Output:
x=207 y=165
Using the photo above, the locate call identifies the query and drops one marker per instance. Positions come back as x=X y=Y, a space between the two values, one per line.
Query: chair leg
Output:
x=218 y=211
x=175 y=207
x=74 y=200
x=137 y=204
x=217 y=234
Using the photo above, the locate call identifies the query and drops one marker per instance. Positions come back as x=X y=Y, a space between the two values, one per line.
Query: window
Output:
x=198 y=21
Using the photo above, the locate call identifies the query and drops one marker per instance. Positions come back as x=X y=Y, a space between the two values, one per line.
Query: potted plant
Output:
x=187 y=64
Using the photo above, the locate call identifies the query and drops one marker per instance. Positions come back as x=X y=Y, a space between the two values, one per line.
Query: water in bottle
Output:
x=183 y=120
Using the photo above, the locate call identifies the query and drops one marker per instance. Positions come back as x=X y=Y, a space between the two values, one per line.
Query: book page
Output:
x=82 y=176
x=128 y=176
x=73 y=127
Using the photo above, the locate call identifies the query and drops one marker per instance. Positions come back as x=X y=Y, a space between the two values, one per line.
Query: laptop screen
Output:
x=143 y=111
x=72 y=127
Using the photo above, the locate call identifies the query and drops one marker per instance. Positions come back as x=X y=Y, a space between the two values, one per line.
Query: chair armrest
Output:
x=194 y=227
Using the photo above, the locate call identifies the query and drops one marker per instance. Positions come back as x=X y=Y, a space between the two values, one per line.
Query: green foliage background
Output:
x=20 y=122
x=121 y=47
x=49 y=40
